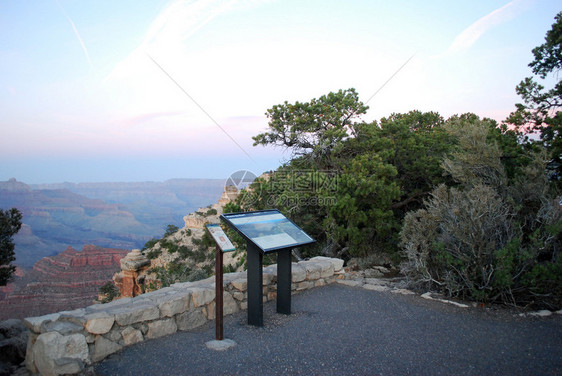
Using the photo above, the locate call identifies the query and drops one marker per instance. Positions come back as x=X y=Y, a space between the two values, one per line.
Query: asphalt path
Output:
x=341 y=330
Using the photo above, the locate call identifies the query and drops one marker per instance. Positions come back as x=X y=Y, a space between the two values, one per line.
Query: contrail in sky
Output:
x=472 y=33
x=77 y=34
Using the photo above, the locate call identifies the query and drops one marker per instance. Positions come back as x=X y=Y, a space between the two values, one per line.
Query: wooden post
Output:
x=218 y=295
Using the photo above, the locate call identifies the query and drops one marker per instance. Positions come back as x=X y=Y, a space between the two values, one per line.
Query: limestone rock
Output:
x=268 y=278
x=190 y=320
x=238 y=295
x=171 y=305
x=225 y=344
x=55 y=354
x=35 y=323
x=349 y=282
x=373 y=273
x=375 y=287
x=104 y=347
x=63 y=327
x=230 y=194
x=194 y=221
x=29 y=361
x=230 y=305
x=298 y=273
x=304 y=285
x=202 y=296
x=160 y=328
x=338 y=263
x=99 y=322
x=131 y=336
x=313 y=270
x=240 y=284
x=135 y=312
x=134 y=261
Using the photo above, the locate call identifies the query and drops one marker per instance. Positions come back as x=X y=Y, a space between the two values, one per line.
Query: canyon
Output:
x=112 y=215
x=66 y=281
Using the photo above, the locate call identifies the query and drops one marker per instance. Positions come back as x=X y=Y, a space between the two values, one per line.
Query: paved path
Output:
x=340 y=330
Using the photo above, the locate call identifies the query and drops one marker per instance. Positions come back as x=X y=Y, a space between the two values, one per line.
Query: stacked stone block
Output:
x=67 y=342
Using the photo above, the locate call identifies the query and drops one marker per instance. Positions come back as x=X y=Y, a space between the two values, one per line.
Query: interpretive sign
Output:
x=223 y=245
x=268 y=229
x=220 y=238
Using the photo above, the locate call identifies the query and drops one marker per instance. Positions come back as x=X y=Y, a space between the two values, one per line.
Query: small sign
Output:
x=220 y=237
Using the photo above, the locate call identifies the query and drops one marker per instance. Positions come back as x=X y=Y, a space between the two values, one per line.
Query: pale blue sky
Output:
x=81 y=100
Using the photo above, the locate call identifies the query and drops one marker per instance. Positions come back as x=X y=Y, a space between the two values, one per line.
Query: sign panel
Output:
x=268 y=229
x=220 y=237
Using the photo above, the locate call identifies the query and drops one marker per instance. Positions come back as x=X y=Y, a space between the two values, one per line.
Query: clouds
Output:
x=236 y=59
x=471 y=34
x=77 y=35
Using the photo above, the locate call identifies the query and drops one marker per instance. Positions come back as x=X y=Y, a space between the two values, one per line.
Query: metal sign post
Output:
x=223 y=245
x=218 y=295
x=267 y=231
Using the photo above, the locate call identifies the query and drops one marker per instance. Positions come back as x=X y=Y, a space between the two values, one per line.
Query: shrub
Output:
x=496 y=236
x=171 y=230
x=109 y=292
x=153 y=253
x=212 y=212
x=149 y=244
x=184 y=252
x=452 y=242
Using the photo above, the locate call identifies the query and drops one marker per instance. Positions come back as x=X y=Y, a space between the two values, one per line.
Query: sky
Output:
x=147 y=90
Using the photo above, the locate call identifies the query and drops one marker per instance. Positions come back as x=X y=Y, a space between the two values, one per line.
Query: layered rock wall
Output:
x=68 y=280
x=67 y=342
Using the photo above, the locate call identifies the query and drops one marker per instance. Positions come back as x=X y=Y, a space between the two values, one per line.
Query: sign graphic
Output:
x=220 y=237
x=268 y=229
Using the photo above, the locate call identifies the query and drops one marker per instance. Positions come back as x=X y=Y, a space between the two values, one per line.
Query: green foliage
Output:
x=207 y=240
x=494 y=237
x=109 y=292
x=153 y=253
x=212 y=212
x=10 y=224
x=312 y=129
x=362 y=218
x=177 y=272
x=229 y=268
x=350 y=183
x=231 y=207
x=149 y=244
x=540 y=111
x=170 y=230
x=184 y=252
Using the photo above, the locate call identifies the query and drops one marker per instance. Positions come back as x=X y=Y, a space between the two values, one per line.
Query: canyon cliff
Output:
x=66 y=281
x=112 y=215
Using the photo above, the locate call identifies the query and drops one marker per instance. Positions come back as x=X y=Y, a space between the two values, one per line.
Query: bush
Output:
x=184 y=252
x=171 y=230
x=212 y=212
x=452 y=243
x=496 y=237
x=109 y=292
x=149 y=244
x=153 y=253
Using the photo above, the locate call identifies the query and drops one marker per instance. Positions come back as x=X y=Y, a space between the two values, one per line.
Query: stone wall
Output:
x=67 y=342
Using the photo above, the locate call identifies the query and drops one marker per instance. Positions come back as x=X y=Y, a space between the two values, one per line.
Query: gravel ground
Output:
x=340 y=330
